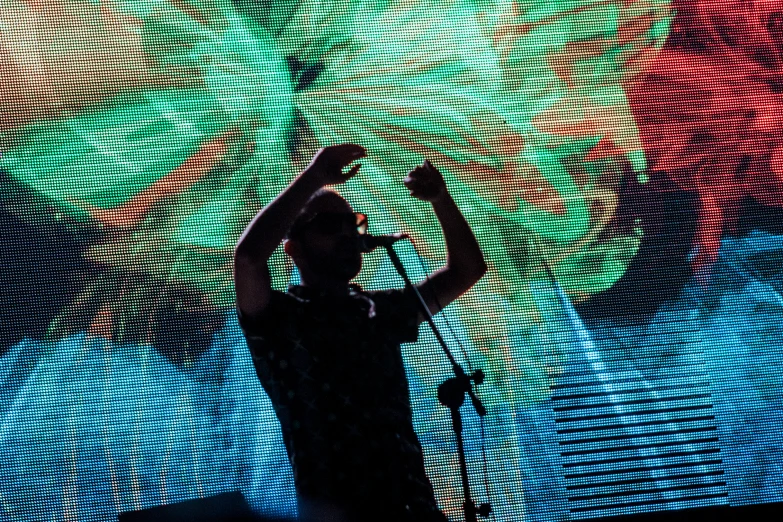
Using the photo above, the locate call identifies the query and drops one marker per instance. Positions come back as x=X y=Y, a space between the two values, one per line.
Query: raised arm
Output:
x=267 y=229
x=464 y=261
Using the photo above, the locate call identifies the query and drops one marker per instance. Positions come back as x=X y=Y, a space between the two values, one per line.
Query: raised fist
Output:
x=425 y=182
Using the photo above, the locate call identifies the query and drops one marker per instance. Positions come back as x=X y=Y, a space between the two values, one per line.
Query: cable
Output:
x=486 y=470
x=437 y=302
x=485 y=467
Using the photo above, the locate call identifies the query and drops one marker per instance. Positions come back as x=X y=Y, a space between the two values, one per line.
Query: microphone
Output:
x=368 y=243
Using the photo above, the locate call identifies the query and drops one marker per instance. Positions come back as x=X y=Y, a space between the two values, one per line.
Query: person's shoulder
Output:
x=395 y=300
x=390 y=293
x=280 y=304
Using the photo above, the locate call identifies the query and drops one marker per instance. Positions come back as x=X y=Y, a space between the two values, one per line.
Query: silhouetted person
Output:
x=328 y=353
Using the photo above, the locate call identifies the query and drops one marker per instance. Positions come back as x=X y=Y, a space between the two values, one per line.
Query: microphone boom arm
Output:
x=451 y=393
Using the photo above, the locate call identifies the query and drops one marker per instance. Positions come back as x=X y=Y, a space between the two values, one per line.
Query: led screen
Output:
x=620 y=162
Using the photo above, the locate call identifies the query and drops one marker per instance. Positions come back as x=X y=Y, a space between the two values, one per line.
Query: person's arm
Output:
x=265 y=232
x=464 y=261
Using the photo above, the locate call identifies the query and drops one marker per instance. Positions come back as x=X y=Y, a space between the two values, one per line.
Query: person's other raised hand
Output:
x=329 y=162
x=425 y=182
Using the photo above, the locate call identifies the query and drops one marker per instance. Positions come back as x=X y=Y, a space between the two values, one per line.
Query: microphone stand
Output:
x=451 y=393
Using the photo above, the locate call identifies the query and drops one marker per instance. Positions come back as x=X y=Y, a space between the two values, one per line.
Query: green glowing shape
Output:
x=106 y=156
x=521 y=105
x=117 y=160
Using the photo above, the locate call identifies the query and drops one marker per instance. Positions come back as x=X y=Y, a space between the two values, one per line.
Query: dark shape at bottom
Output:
x=41 y=263
x=661 y=268
x=226 y=507
x=772 y=512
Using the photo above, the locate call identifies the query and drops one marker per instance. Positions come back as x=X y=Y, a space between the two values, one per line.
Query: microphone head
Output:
x=368 y=243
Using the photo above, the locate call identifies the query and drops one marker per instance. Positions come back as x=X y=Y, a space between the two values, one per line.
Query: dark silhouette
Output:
x=328 y=353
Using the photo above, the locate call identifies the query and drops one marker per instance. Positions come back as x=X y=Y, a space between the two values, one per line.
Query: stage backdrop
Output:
x=621 y=162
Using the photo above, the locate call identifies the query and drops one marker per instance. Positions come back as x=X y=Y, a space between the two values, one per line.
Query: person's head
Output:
x=324 y=240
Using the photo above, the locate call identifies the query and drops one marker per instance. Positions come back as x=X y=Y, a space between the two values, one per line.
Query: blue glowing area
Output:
x=95 y=429
x=665 y=411
x=91 y=429
x=743 y=341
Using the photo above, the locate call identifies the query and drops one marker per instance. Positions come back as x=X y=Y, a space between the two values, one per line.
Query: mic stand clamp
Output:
x=451 y=393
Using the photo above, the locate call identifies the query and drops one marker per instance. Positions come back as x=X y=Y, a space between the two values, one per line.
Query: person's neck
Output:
x=329 y=287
